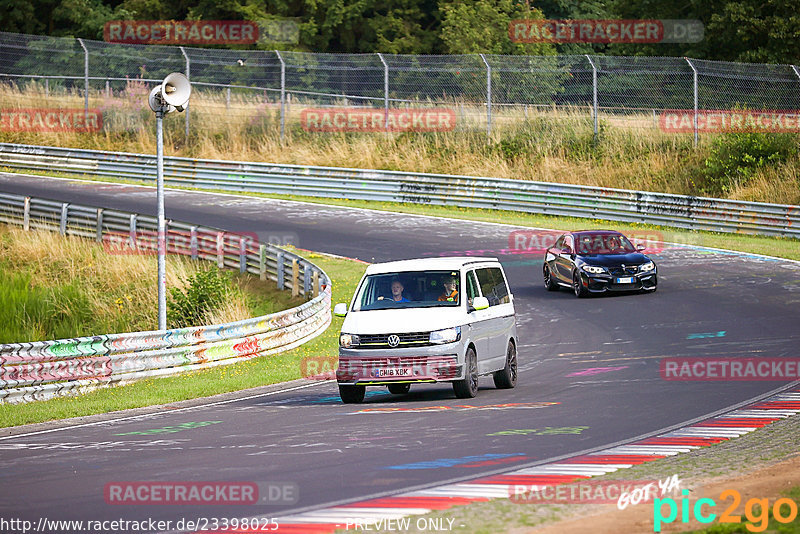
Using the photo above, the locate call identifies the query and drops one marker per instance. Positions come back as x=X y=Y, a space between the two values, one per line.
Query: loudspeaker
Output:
x=175 y=90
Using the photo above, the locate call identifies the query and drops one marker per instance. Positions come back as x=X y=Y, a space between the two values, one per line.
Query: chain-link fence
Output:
x=269 y=90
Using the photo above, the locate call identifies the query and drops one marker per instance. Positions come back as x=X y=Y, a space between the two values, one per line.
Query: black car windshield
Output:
x=603 y=244
x=410 y=289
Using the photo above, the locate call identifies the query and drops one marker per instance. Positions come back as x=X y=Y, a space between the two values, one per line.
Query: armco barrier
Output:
x=44 y=369
x=695 y=213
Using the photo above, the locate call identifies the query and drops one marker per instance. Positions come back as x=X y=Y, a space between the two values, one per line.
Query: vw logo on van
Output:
x=394 y=340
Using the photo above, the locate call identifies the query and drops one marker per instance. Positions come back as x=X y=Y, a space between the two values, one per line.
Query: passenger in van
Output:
x=450 y=290
x=397 y=292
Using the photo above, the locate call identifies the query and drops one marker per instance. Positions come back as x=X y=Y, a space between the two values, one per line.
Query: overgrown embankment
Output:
x=58 y=287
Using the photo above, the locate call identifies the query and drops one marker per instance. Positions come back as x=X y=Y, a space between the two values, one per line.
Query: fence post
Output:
x=306 y=278
x=280 y=269
x=488 y=99
x=64 y=215
x=796 y=72
x=694 y=70
x=295 y=278
x=108 y=89
x=315 y=284
x=228 y=98
x=47 y=87
x=99 y=233
x=26 y=214
x=283 y=93
x=193 y=242
x=187 y=110
x=242 y=255
x=220 y=249
x=132 y=231
x=594 y=94
x=85 y=83
x=385 y=91
x=262 y=262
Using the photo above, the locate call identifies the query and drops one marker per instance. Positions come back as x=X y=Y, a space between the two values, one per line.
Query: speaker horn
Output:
x=175 y=90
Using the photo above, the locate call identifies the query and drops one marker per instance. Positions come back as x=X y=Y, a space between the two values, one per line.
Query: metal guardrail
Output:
x=680 y=211
x=45 y=369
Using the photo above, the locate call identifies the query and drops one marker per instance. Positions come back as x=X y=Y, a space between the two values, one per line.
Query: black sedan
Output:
x=596 y=261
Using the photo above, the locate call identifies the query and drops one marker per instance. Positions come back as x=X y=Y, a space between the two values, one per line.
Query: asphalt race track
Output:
x=589 y=375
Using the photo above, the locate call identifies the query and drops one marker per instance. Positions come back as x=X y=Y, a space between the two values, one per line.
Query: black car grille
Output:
x=627 y=271
x=381 y=341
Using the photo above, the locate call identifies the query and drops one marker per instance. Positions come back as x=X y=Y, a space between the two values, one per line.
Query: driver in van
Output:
x=397 y=292
x=450 y=290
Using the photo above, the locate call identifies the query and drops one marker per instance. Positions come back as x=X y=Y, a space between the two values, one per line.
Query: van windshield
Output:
x=409 y=289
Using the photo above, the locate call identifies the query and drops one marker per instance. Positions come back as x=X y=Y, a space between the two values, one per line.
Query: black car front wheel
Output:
x=549 y=283
x=577 y=285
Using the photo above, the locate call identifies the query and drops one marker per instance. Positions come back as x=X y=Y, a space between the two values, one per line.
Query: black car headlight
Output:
x=593 y=269
x=647 y=267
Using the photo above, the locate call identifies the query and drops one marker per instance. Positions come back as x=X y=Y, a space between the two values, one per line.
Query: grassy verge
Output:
x=258 y=372
x=545 y=144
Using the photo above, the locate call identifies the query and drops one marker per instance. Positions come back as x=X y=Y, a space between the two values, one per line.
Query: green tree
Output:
x=481 y=26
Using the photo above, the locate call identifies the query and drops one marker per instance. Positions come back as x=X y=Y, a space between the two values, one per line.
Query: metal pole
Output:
x=283 y=93
x=85 y=83
x=594 y=93
x=694 y=70
x=186 y=57
x=385 y=91
x=162 y=284
x=488 y=98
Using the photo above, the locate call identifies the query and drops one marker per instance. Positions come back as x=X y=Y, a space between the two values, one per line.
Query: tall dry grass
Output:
x=543 y=144
x=68 y=286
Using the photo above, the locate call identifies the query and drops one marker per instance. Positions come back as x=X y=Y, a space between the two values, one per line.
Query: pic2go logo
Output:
x=755 y=510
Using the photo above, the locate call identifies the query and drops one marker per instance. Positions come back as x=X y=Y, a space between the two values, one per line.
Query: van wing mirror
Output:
x=480 y=303
x=340 y=310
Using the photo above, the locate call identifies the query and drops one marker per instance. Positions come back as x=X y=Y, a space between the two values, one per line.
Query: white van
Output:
x=428 y=320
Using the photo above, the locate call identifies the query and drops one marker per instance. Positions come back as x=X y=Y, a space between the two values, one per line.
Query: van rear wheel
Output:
x=506 y=378
x=468 y=387
x=352 y=394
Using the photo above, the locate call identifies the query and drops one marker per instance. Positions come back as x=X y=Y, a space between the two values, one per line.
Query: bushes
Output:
x=735 y=157
x=205 y=290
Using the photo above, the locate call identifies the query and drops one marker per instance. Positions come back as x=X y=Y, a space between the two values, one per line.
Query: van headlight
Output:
x=348 y=341
x=593 y=269
x=647 y=267
x=448 y=335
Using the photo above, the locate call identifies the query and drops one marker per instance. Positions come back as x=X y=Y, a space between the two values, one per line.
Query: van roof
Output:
x=423 y=264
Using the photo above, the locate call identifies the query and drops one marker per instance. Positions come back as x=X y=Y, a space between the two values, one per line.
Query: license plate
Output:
x=625 y=280
x=394 y=372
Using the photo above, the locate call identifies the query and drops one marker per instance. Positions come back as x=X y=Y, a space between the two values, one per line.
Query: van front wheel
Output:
x=352 y=394
x=468 y=387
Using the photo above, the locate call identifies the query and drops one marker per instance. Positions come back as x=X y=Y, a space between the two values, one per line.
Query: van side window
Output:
x=472 y=287
x=493 y=286
x=488 y=284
